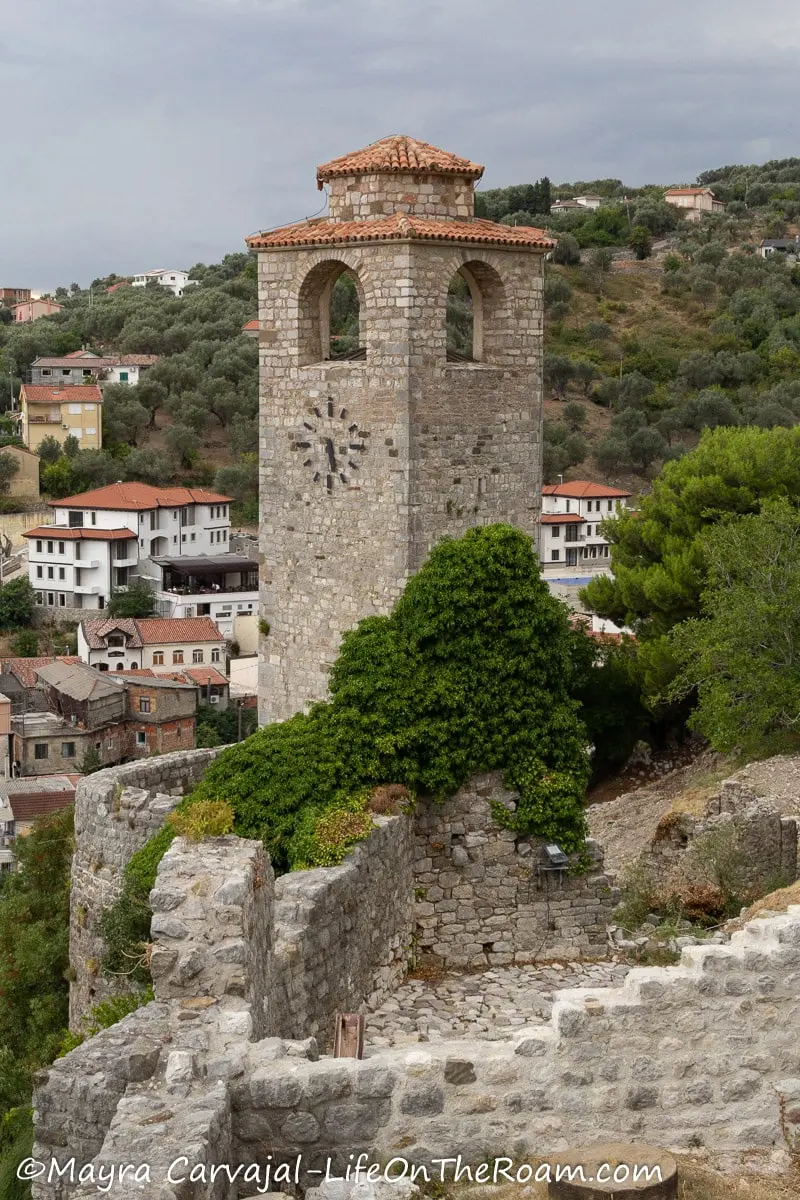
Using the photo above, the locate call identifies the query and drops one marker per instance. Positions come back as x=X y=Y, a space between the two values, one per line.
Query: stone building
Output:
x=368 y=460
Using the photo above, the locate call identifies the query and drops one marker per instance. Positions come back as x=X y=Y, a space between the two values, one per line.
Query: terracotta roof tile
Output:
x=250 y=324
x=403 y=227
x=135 y=496
x=399 y=154
x=178 y=629
x=151 y=631
x=688 y=191
x=53 y=393
x=88 y=362
x=69 y=534
x=581 y=489
x=205 y=676
x=24 y=669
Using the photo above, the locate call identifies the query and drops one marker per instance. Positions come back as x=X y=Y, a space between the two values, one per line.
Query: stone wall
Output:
x=765 y=842
x=483 y=896
x=450 y=883
x=699 y=1055
x=116 y=811
x=343 y=935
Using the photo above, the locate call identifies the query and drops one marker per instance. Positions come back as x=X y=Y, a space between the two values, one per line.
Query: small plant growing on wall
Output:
x=206 y=819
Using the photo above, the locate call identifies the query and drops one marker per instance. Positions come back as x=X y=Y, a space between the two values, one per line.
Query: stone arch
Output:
x=489 y=309
x=314 y=296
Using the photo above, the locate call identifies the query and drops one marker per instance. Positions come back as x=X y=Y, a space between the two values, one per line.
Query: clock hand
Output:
x=329 y=452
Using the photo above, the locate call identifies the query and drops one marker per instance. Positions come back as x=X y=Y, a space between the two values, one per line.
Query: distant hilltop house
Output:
x=787 y=247
x=175 y=280
x=52 y=410
x=250 y=328
x=34 y=308
x=578 y=204
x=83 y=366
x=695 y=200
x=9 y=296
x=570 y=525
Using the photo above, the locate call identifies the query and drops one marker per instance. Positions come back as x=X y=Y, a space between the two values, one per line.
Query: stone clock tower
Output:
x=368 y=460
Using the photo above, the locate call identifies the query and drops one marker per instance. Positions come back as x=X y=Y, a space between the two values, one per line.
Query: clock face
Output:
x=332 y=445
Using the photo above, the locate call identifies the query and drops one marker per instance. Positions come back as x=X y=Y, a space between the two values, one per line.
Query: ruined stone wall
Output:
x=116 y=812
x=760 y=843
x=483 y=896
x=343 y=935
x=702 y=1054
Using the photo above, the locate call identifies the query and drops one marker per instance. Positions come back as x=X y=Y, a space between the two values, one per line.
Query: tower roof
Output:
x=398 y=155
x=401 y=227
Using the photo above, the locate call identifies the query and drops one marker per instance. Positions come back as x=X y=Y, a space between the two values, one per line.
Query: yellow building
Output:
x=61 y=412
x=25 y=482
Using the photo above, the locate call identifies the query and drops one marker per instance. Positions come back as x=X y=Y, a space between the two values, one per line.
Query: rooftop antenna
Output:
x=561 y=479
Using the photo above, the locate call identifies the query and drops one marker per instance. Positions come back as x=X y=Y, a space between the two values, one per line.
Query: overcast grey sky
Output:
x=144 y=133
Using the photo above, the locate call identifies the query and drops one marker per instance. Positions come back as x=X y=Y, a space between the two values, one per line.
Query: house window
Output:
x=38 y=572
x=50 y=574
x=87 y=374
x=39 y=598
x=177 y=657
x=62 y=573
x=38 y=547
x=49 y=547
x=102 y=666
x=215 y=656
x=62 y=600
x=75 y=519
x=123 y=376
x=94 y=518
x=192 y=537
x=556 y=530
x=91 y=429
x=555 y=555
x=115 y=639
x=158 y=658
x=67 y=749
x=66 y=371
x=41 y=750
x=197 y=656
x=46 y=371
x=141 y=739
x=571 y=533
x=144 y=704
x=610 y=505
x=73 y=409
x=224 y=535
x=61 y=548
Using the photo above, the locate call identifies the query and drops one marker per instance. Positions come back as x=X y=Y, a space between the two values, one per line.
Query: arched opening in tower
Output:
x=345 y=324
x=460 y=320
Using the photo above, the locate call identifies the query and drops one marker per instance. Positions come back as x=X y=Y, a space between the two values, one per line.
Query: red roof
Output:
x=581 y=489
x=135 y=496
x=561 y=519
x=688 y=191
x=398 y=154
x=49 y=393
x=250 y=324
x=24 y=669
x=401 y=227
x=115 y=286
x=178 y=629
x=69 y=534
x=205 y=676
x=151 y=631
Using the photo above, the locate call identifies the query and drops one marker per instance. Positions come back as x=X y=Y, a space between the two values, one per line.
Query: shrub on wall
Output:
x=473 y=670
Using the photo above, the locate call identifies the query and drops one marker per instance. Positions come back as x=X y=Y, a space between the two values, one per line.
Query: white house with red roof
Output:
x=176 y=538
x=162 y=645
x=570 y=526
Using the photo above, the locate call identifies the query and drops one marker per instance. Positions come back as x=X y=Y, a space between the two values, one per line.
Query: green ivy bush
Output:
x=474 y=669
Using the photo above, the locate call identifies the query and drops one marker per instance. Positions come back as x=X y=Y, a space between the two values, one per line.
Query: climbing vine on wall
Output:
x=472 y=670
